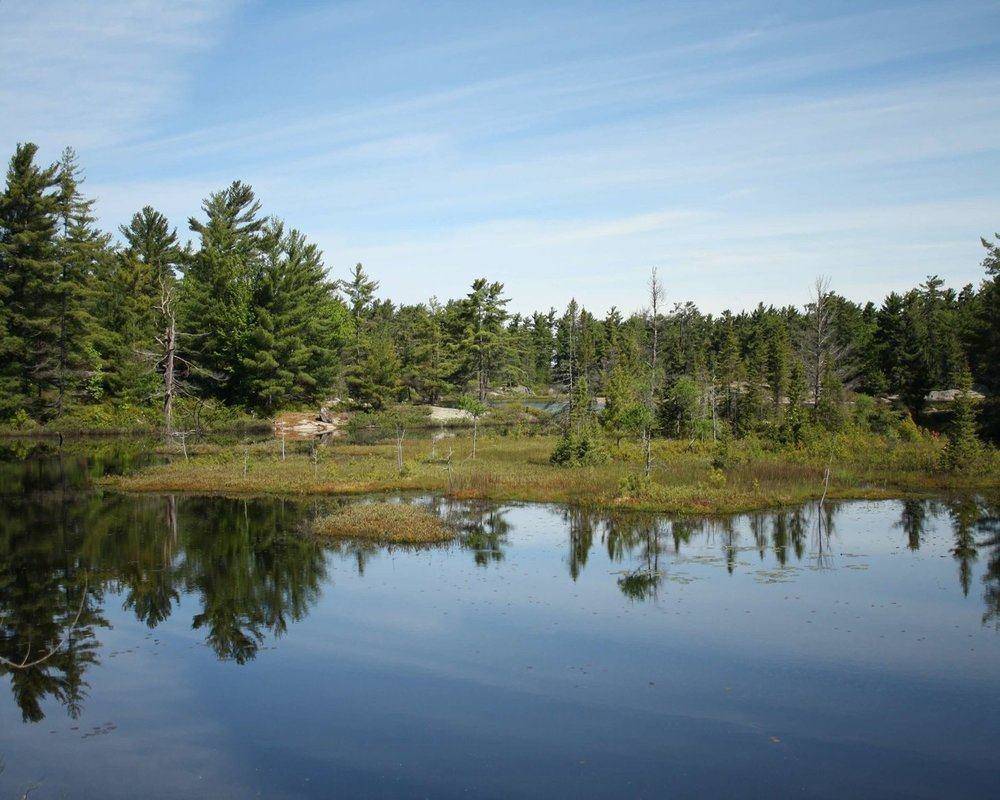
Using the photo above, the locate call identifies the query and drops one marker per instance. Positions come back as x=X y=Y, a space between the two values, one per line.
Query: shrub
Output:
x=634 y=485
x=579 y=449
x=21 y=421
x=723 y=455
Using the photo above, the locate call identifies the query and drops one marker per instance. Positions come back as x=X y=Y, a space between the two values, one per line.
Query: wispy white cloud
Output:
x=743 y=149
x=95 y=74
x=703 y=256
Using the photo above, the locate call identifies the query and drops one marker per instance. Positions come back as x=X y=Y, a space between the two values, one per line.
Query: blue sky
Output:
x=562 y=148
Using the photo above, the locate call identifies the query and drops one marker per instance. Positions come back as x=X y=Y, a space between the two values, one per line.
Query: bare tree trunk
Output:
x=655 y=296
x=646 y=443
x=169 y=360
x=821 y=348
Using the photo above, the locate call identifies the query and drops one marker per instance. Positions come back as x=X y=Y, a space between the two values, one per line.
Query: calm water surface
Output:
x=550 y=653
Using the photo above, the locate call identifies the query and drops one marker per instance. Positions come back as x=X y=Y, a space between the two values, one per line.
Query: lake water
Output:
x=550 y=653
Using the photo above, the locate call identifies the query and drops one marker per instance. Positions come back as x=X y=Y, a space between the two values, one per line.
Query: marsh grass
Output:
x=384 y=523
x=510 y=468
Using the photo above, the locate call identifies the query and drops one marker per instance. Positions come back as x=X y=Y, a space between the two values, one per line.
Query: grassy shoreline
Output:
x=684 y=479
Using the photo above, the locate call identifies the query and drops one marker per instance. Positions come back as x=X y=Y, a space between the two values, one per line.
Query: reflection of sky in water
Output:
x=857 y=667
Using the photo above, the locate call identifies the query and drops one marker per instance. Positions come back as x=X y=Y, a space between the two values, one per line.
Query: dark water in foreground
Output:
x=550 y=653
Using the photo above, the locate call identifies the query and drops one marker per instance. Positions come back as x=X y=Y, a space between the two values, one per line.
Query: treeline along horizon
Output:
x=246 y=316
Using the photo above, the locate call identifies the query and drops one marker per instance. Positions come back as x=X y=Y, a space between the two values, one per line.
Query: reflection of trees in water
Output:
x=788 y=530
x=251 y=570
x=642 y=537
x=61 y=552
x=913 y=521
x=45 y=586
x=989 y=527
x=581 y=524
x=964 y=518
x=826 y=517
x=483 y=528
x=758 y=529
x=975 y=525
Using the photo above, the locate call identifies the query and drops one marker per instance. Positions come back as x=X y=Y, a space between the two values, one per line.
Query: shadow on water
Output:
x=66 y=550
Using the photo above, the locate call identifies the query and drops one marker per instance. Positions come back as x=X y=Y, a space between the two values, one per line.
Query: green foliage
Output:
x=300 y=326
x=260 y=327
x=217 y=302
x=129 y=288
x=724 y=454
x=579 y=449
x=31 y=286
x=481 y=344
x=374 y=381
x=963 y=450
x=627 y=411
x=681 y=408
x=830 y=406
x=473 y=405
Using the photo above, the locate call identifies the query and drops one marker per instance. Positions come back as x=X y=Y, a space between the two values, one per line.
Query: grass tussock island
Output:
x=384 y=523
x=693 y=478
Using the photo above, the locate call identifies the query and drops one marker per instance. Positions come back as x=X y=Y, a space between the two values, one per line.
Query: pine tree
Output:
x=483 y=340
x=84 y=250
x=300 y=326
x=830 y=408
x=794 y=417
x=890 y=338
x=985 y=352
x=961 y=453
x=218 y=290
x=778 y=363
x=730 y=369
x=426 y=365
x=360 y=291
x=30 y=280
x=374 y=381
x=130 y=299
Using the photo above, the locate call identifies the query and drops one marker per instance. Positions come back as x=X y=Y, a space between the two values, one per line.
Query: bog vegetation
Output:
x=149 y=328
x=394 y=523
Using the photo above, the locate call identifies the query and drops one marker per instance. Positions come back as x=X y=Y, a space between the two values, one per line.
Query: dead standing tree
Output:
x=166 y=361
x=821 y=350
x=655 y=299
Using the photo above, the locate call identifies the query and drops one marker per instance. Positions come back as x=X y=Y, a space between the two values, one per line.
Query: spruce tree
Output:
x=30 y=280
x=730 y=370
x=544 y=346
